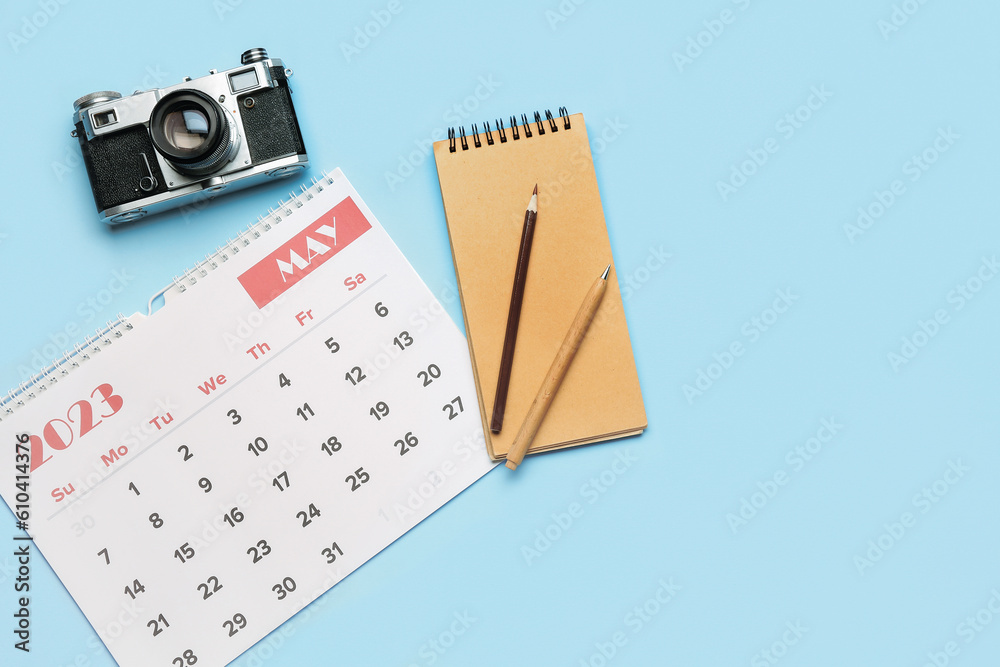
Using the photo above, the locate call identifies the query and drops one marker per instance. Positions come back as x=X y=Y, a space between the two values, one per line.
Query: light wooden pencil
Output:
x=550 y=385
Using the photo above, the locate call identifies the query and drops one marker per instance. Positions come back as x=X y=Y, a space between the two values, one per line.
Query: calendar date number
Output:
x=258 y=552
x=281 y=481
x=286 y=586
x=453 y=407
x=238 y=623
x=379 y=410
x=135 y=589
x=210 y=587
x=354 y=376
x=432 y=373
x=308 y=514
x=357 y=479
x=406 y=443
x=257 y=446
x=156 y=623
x=331 y=553
x=184 y=552
x=186 y=658
x=331 y=445
x=233 y=517
x=403 y=340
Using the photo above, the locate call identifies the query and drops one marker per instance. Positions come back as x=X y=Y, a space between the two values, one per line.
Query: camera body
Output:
x=167 y=147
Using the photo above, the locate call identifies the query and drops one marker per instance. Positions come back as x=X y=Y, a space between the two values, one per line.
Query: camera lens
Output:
x=194 y=133
x=185 y=129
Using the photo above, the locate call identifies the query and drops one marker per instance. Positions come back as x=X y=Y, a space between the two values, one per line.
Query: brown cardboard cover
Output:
x=485 y=192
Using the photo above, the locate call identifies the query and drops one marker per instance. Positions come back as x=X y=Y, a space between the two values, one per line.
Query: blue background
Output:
x=672 y=130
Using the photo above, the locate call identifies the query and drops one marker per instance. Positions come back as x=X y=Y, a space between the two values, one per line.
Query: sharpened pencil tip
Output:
x=604 y=276
x=535 y=191
x=533 y=204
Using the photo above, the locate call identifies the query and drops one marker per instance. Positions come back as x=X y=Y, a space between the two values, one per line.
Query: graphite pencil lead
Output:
x=533 y=204
x=604 y=276
x=535 y=191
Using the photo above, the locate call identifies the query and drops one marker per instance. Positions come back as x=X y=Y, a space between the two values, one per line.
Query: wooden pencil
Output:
x=550 y=385
x=514 y=313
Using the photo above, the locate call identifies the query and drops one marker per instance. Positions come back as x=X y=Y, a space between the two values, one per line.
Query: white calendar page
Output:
x=233 y=456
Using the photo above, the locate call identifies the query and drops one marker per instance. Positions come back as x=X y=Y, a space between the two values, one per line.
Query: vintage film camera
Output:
x=167 y=147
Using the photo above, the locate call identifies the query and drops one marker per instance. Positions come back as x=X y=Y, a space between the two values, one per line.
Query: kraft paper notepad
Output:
x=486 y=180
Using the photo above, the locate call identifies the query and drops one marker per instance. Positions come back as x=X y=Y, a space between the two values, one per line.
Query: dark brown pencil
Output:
x=514 y=314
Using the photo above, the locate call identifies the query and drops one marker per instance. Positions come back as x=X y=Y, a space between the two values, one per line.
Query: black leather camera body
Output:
x=166 y=147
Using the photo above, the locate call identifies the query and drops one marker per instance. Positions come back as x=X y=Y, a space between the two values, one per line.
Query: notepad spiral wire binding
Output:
x=62 y=366
x=501 y=131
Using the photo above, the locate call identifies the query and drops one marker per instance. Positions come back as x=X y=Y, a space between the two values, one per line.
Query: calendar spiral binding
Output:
x=116 y=328
x=64 y=365
x=244 y=237
x=501 y=131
